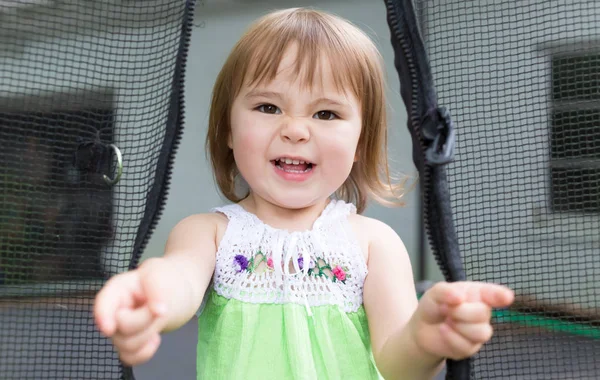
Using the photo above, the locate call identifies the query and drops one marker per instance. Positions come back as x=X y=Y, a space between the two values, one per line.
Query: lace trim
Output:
x=261 y=264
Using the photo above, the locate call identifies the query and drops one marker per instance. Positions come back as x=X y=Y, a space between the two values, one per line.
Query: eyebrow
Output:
x=273 y=94
x=263 y=94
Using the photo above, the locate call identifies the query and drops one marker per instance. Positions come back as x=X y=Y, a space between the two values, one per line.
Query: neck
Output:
x=277 y=216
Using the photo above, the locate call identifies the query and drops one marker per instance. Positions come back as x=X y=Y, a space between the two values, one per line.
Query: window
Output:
x=55 y=218
x=575 y=133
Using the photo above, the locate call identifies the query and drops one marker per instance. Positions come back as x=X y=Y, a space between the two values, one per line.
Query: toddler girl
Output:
x=297 y=283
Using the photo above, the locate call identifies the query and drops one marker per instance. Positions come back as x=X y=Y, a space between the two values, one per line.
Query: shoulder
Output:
x=373 y=227
x=209 y=219
x=374 y=236
x=201 y=226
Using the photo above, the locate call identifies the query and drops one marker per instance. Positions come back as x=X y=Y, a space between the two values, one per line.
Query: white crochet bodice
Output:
x=260 y=264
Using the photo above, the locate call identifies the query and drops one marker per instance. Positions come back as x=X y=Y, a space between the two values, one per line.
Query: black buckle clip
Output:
x=438 y=131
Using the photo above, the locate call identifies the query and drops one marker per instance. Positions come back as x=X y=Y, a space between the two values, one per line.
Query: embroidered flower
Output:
x=317 y=267
x=311 y=263
x=339 y=273
x=241 y=263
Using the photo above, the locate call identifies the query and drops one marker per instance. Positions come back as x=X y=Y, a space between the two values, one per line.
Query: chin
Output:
x=294 y=202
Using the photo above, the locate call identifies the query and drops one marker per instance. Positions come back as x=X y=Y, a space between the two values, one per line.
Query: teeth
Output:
x=295 y=170
x=289 y=161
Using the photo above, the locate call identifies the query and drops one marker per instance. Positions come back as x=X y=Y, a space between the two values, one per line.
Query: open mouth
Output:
x=291 y=165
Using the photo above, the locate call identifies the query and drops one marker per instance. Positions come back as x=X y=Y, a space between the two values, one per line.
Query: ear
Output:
x=229 y=142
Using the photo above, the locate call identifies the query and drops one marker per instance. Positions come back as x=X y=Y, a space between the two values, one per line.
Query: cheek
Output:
x=341 y=151
x=246 y=142
x=245 y=153
x=248 y=139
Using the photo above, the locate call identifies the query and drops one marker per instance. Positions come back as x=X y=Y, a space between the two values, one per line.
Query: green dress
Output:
x=286 y=305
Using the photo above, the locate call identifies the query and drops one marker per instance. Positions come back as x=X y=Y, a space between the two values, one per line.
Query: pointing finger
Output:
x=447 y=293
x=437 y=301
x=496 y=295
x=109 y=299
x=156 y=290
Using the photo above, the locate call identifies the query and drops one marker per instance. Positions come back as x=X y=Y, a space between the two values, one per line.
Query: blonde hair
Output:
x=256 y=58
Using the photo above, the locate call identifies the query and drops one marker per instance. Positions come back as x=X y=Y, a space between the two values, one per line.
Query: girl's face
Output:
x=293 y=144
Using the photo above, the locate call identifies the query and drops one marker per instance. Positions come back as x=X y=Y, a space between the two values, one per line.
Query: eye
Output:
x=268 y=108
x=325 y=115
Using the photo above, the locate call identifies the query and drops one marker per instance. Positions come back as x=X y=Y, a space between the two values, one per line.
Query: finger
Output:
x=110 y=298
x=137 y=332
x=130 y=322
x=133 y=343
x=496 y=295
x=156 y=290
x=473 y=332
x=435 y=303
x=106 y=303
x=130 y=343
x=447 y=293
x=142 y=355
x=459 y=346
x=472 y=312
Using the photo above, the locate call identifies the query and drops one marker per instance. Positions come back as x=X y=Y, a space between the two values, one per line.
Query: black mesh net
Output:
x=522 y=82
x=80 y=82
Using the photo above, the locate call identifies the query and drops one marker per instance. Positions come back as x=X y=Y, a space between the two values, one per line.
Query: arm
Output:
x=181 y=277
x=390 y=301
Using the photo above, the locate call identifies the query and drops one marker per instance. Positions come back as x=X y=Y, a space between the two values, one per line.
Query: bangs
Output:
x=316 y=38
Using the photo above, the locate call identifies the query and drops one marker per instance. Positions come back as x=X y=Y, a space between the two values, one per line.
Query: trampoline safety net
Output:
x=522 y=82
x=81 y=83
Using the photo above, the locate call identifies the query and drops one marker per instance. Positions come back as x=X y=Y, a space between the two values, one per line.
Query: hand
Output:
x=129 y=309
x=453 y=319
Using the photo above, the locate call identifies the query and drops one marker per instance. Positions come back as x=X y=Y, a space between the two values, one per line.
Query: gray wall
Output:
x=493 y=65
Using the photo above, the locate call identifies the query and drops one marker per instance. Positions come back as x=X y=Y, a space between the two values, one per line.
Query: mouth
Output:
x=293 y=165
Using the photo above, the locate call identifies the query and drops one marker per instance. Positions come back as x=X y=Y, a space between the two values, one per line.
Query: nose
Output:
x=295 y=131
